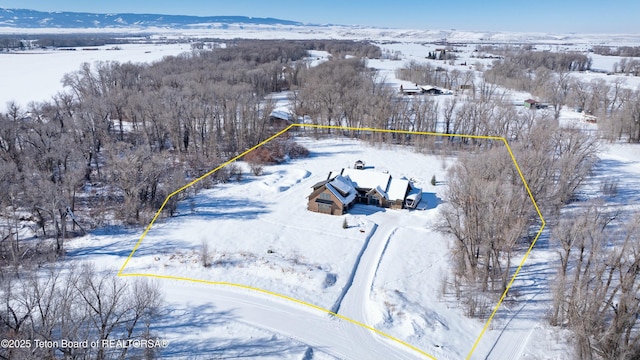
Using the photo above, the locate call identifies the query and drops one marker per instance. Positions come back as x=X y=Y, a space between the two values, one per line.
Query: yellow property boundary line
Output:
x=285 y=297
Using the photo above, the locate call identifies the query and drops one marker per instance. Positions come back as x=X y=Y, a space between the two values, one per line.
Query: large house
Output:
x=340 y=191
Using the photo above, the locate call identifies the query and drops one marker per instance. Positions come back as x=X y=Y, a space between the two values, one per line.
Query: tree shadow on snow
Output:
x=320 y=154
x=190 y=319
x=220 y=348
x=226 y=209
x=109 y=240
x=123 y=249
x=627 y=181
x=102 y=249
x=195 y=320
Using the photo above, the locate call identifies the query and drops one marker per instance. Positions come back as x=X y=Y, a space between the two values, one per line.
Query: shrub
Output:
x=262 y=155
x=256 y=169
x=205 y=256
x=235 y=171
x=297 y=151
x=276 y=152
x=223 y=175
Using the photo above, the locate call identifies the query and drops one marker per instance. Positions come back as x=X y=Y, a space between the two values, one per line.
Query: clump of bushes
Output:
x=276 y=152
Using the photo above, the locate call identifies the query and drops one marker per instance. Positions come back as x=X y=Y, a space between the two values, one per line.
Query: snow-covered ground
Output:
x=36 y=75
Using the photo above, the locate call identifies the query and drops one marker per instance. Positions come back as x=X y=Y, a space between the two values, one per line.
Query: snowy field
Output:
x=36 y=75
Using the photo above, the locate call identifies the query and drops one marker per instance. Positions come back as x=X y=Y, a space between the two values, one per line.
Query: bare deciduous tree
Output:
x=596 y=294
x=76 y=304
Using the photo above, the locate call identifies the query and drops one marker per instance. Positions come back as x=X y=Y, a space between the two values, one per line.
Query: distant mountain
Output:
x=22 y=18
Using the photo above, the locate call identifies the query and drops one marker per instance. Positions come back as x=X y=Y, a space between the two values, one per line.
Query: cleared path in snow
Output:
x=357 y=300
x=349 y=284
x=521 y=322
x=301 y=323
x=513 y=339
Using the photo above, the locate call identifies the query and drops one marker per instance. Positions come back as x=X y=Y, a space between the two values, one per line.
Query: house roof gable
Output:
x=398 y=189
x=343 y=185
x=345 y=200
x=367 y=179
x=319 y=184
x=378 y=190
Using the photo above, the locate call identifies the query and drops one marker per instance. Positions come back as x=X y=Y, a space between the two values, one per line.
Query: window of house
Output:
x=325 y=196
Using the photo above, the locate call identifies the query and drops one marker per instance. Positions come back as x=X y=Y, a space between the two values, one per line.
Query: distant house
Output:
x=431 y=90
x=340 y=191
x=531 y=104
x=411 y=90
x=420 y=90
x=280 y=119
x=359 y=165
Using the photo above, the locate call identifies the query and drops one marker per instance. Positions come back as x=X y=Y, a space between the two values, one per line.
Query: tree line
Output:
x=627 y=66
x=13 y=42
x=41 y=311
x=625 y=51
x=613 y=103
x=342 y=92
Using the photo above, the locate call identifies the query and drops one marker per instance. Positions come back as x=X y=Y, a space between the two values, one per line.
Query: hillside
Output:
x=23 y=18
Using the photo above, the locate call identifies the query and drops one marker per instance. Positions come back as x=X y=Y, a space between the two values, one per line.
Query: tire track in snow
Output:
x=336 y=306
x=511 y=343
x=356 y=300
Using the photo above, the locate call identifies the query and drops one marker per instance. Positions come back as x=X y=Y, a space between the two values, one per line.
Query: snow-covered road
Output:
x=313 y=327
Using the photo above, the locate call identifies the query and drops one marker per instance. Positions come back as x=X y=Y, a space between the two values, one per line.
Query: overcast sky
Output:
x=555 y=16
